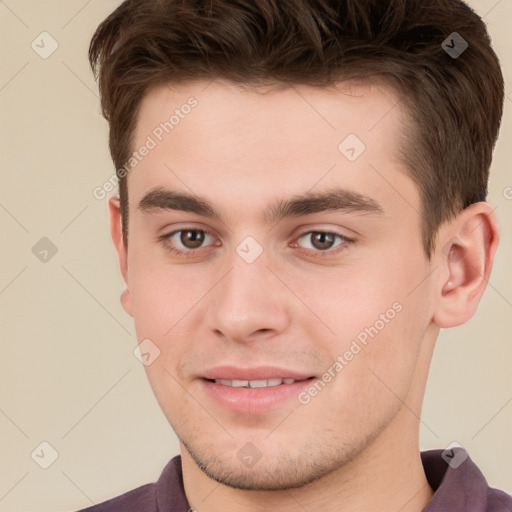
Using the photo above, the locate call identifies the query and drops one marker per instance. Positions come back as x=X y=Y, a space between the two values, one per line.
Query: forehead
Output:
x=240 y=145
x=366 y=108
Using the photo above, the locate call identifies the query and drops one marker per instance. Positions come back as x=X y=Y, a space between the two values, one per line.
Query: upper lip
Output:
x=253 y=373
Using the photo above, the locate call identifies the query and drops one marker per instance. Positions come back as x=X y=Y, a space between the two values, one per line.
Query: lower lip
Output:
x=253 y=400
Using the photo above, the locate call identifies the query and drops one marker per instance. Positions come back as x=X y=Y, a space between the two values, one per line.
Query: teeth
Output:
x=254 y=383
x=239 y=383
x=260 y=383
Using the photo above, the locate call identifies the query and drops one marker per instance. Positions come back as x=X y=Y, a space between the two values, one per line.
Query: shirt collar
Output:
x=458 y=485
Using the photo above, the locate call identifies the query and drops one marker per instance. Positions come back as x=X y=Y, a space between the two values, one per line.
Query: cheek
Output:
x=377 y=317
x=386 y=367
x=372 y=379
x=348 y=302
x=161 y=294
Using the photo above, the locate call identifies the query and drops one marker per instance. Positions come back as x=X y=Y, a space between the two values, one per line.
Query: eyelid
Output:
x=323 y=231
x=165 y=237
x=347 y=241
x=351 y=234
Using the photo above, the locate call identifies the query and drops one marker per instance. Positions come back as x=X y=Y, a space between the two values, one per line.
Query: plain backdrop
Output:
x=68 y=374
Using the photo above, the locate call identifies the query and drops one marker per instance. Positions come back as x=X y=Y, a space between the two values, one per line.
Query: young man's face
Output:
x=263 y=293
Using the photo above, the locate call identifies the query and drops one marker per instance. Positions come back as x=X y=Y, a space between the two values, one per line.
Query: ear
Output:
x=465 y=254
x=116 y=232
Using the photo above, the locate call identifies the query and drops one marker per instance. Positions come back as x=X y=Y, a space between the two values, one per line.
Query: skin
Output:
x=355 y=444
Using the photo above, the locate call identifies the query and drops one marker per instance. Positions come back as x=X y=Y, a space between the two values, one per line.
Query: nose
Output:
x=249 y=302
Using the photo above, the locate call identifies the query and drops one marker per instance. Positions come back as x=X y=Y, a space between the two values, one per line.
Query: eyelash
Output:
x=315 y=253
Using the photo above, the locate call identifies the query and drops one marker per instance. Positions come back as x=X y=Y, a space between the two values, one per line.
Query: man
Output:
x=302 y=208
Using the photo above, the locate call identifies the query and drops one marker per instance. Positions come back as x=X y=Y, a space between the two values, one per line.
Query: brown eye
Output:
x=192 y=238
x=187 y=242
x=321 y=241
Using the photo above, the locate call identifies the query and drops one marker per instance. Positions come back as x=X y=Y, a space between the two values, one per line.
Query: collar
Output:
x=457 y=488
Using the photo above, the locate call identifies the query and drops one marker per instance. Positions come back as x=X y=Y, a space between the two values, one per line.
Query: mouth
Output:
x=254 y=390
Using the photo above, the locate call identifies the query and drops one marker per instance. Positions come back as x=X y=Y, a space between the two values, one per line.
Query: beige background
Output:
x=68 y=374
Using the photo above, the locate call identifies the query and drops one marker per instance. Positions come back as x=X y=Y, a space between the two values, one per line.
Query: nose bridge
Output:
x=249 y=298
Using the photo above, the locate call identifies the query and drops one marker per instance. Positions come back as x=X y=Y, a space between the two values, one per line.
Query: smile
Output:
x=255 y=383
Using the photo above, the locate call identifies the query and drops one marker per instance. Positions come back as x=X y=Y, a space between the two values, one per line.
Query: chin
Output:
x=276 y=472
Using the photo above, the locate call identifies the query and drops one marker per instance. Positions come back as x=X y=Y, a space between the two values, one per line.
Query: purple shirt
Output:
x=456 y=489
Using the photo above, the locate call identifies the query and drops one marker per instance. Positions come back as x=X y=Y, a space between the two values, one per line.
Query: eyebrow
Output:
x=338 y=199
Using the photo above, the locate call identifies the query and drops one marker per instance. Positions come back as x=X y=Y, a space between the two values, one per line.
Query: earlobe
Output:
x=466 y=254
x=126 y=301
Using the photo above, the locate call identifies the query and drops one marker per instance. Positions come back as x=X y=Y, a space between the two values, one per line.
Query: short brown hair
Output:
x=454 y=104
